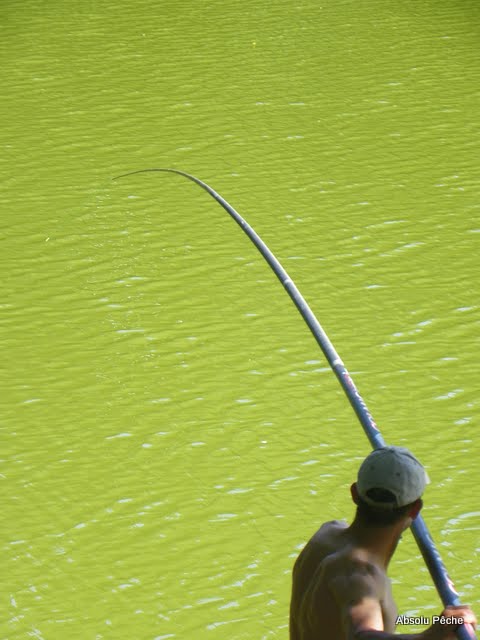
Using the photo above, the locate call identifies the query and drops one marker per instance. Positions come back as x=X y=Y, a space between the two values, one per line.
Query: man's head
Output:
x=389 y=485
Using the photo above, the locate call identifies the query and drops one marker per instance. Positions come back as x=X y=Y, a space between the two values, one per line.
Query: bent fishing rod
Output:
x=427 y=547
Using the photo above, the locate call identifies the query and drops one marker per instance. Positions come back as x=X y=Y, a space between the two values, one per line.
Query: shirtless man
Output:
x=340 y=585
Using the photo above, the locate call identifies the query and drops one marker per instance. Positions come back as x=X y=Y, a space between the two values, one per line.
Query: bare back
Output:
x=328 y=560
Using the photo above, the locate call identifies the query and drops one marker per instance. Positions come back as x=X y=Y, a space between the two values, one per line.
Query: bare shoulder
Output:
x=360 y=589
x=334 y=524
x=323 y=543
x=354 y=576
x=328 y=529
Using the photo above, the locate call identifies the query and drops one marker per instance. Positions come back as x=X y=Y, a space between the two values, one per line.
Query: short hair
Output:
x=381 y=516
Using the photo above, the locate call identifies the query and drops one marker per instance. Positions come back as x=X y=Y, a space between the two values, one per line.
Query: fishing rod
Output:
x=430 y=553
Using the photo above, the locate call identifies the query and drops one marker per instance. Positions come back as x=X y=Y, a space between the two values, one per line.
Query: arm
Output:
x=359 y=595
x=359 y=591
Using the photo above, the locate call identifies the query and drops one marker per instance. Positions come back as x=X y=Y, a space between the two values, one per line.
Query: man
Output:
x=340 y=585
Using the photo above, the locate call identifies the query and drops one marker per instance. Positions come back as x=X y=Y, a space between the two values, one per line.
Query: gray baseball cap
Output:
x=394 y=469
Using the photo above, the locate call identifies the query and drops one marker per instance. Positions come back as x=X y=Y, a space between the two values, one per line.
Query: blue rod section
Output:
x=431 y=556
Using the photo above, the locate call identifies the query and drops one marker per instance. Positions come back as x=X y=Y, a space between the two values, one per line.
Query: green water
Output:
x=171 y=434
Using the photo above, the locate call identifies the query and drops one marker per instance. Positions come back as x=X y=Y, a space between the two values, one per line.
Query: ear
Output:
x=354 y=493
x=415 y=508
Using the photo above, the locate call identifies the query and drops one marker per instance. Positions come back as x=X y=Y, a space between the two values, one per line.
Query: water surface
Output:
x=171 y=433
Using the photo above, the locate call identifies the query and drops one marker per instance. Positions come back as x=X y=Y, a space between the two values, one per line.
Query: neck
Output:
x=379 y=542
